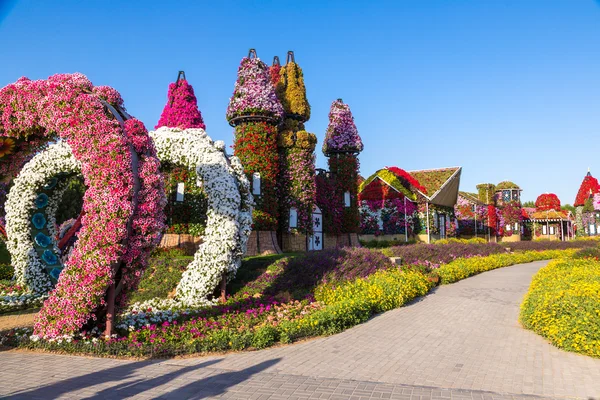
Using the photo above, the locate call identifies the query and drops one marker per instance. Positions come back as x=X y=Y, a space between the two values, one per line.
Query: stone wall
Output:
x=262 y=243
x=293 y=242
x=188 y=243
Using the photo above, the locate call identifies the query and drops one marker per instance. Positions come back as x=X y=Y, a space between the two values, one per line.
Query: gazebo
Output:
x=552 y=225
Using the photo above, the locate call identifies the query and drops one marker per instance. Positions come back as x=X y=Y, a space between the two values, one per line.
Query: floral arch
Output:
x=123 y=216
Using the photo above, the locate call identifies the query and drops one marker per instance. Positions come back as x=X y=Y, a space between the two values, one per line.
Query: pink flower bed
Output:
x=341 y=135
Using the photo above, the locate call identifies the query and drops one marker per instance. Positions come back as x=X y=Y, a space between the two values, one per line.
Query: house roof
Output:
x=441 y=184
x=507 y=185
x=371 y=187
x=550 y=215
x=472 y=197
x=589 y=186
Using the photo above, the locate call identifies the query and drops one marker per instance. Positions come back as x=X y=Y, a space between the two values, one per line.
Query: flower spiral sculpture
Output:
x=123 y=205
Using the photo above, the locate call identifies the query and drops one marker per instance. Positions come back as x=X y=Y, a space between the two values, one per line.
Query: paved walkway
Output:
x=461 y=341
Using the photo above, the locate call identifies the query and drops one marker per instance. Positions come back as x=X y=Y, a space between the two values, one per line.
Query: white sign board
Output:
x=256 y=183
x=180 y=191
x=293 y=218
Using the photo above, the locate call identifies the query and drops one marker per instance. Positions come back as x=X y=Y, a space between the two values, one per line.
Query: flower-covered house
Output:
x=471 y=215
x=396 y=204
x=587 y=207
x=549 y=221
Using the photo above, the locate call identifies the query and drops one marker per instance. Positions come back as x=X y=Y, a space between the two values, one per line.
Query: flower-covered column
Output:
x=297 y=189
x=342 y=145
x=187 y=203
x=254 y=111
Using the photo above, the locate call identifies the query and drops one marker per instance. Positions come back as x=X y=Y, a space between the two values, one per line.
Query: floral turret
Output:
x=291 y=90
x=181 y=110
x=254 y=95
x=342 y=135
x=255 y=112
x=297 y=190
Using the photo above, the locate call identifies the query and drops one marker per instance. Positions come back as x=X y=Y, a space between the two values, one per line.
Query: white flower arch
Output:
x=44 y=174
x=229 y=217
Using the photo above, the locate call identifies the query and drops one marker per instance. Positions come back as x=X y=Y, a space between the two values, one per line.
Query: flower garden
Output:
x=91 y=261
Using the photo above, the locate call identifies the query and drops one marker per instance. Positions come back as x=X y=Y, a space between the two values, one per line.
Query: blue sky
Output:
x=509 y=90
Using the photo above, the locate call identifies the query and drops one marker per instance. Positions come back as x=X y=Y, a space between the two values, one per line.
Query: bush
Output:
x=540 y=245
x=6 y=271
x=563 y=305
x=589 y=252
x=433 y=255
x=463 y=268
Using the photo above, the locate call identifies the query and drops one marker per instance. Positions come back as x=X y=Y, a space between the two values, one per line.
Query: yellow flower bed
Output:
x=563 y=305
x=464 y=267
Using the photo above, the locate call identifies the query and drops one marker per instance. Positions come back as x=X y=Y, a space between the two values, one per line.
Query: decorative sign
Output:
x=180 y=191
x=256 y=183
x=293 y=218
x=347 y=199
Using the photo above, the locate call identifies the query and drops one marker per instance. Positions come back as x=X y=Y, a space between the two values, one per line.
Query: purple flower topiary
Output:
x=181 y=110
x=254 y=93
x=342 y=135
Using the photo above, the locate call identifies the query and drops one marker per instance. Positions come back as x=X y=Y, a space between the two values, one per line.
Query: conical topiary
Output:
x=292 y=92
x=342 y=135
x=181 y=110
x=254 y=94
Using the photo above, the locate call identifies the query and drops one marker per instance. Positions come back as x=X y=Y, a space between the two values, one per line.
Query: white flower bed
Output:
x=229 y=217
x=21 y=207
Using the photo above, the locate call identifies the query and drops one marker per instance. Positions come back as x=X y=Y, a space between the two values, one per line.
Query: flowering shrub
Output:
x=181 y=110
x=463 y=268
x=254 y=93
x=563 y=305
x=229 y=207
x=341 y=135
x=433 y=255
x=123 y=215
x=548 y=245
x=547 y=201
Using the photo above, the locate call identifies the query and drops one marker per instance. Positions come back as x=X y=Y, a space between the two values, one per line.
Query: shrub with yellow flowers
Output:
x=563 y=305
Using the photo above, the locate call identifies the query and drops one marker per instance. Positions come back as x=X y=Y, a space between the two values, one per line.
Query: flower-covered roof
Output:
x=254 y=93
x=181 y=110
x=589 y=187
x=375 y=187
x=441 y=184
x=507 y=185
x=550 y=215
x=471 y=197
x=547 y=201
x=342 y=135
x=433 y=179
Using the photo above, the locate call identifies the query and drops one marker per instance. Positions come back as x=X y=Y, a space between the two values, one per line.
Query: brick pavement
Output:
x=462 y=341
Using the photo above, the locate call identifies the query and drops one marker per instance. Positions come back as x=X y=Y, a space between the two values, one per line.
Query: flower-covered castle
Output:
x=587 y=207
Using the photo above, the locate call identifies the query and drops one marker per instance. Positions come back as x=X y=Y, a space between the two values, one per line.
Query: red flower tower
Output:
x=342 y=146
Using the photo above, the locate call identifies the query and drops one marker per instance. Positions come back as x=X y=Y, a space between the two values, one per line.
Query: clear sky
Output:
x=509 y=90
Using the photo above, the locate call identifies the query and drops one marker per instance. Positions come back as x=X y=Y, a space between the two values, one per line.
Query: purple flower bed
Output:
x=433 y=255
